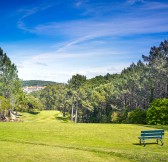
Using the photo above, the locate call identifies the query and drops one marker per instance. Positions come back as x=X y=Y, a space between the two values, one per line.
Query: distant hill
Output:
x=37 y=83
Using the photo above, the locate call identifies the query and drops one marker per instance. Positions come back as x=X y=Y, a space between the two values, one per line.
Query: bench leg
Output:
x=161 y=142
x=144 y=143
x=157 y=141
x=140 y=141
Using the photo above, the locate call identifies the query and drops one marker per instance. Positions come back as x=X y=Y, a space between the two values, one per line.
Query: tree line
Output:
x=133 y=96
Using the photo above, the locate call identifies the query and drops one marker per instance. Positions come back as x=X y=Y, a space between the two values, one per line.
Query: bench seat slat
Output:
x=151 y=137
x=152 y=134
x=149 y=131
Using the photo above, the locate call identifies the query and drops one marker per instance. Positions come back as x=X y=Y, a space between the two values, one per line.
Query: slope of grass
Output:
x=56 y=141
x=41 y=116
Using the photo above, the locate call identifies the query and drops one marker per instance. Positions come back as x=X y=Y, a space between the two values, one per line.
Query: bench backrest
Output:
x=156 y=133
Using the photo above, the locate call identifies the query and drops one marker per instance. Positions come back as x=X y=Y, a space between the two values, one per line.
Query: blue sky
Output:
x=55 y=39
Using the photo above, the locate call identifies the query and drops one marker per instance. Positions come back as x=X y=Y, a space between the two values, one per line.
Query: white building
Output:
x=29 y=89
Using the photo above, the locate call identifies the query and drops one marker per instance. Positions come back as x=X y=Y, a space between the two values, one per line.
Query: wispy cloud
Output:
x=80 y=3
x=155 y=5
x=88 y=29
x=150 y=5
x=134 y=1
x=57 y=55
x=75 y=42
x=41 y=64
x=30 y=11
x=81 y=31
x=77 y=31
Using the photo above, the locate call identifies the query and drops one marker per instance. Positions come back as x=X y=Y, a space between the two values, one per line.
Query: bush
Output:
x=158 y=112
x=119 y=117
x=137 y=116
x=4 y=103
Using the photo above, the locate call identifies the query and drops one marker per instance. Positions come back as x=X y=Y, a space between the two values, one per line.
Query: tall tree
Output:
x=75 y=83
x=10 y=85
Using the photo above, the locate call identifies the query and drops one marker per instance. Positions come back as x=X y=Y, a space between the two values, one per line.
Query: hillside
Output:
x=37 y=83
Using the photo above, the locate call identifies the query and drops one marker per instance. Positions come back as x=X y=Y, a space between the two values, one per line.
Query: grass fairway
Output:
x=42 y=116
x=54 y=140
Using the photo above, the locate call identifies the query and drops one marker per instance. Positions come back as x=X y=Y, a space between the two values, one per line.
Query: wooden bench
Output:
x=151 y=134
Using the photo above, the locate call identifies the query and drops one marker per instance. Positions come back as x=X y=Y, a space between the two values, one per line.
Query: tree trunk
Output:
x=151 y=95
x=76 y=113
x=167 y=90
x=72 y=112
x=64 y=110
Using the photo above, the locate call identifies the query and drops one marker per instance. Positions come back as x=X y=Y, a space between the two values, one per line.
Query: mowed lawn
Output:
x=53 y=140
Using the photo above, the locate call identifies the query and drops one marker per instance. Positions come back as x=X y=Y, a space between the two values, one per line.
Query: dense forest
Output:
x=137 y=95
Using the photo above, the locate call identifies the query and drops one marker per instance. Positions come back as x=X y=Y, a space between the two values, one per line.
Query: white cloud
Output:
x=61 y=66
x=41 y=63
x=88 y=29
x=66 y=73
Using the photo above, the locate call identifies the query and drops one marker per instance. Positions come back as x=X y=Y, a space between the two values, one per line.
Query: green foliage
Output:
x=137 y=116
x=158 y=112
x=114 y=117
x=4 y=103
x=119 y=117
x=36 y=94
x=9 y=81
x=53 y=97
x=4 y=106
x=76 y=81
x=29 y=103
x=10 y=85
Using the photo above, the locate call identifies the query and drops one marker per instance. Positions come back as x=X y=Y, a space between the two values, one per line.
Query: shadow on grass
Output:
x=34 y=112
x=64 y=119
x=165 y=127
x=149 y=143
x=89 y=149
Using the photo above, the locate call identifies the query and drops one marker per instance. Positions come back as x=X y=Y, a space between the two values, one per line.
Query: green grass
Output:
x=41 y=116
x=49 y=140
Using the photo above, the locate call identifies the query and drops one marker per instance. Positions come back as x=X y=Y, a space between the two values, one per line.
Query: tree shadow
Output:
x=34 y=112
x=64 y=119
x=165 y=127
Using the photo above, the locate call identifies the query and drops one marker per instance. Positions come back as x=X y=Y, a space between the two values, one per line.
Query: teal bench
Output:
x=151 y=134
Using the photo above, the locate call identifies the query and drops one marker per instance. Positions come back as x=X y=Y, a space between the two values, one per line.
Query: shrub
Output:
x=137 y=116
x=158 y=112
x=119 y=117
